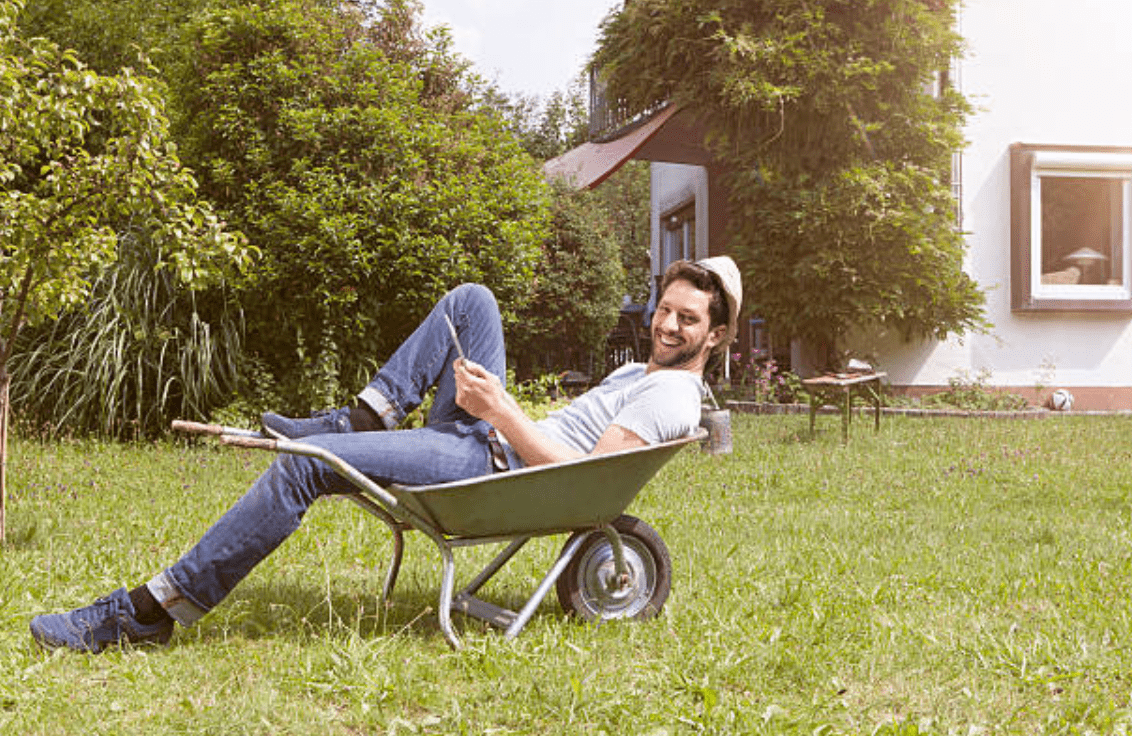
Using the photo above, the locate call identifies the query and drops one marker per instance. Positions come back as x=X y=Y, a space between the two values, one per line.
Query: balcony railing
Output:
x=611 y=117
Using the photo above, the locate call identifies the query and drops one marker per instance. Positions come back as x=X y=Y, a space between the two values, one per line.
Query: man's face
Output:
x=681 y=333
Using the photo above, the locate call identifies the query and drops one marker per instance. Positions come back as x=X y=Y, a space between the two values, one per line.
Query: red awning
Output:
x=592 y=163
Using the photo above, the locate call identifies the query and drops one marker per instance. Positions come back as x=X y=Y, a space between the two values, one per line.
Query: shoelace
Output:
x=101 y=611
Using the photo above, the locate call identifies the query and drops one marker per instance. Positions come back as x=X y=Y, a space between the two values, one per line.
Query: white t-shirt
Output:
x=657 y=407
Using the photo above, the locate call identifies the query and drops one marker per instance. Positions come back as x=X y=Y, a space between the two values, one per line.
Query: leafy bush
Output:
x=576 y=294
x=84 y=158
x=538 y=396
x=374 y=172
x=562 y=123
x=352 y=151
x=108 y=34
x=763 y=381
x=972 y=393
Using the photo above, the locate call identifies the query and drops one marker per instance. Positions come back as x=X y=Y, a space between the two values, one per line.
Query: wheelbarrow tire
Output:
x=585 y=588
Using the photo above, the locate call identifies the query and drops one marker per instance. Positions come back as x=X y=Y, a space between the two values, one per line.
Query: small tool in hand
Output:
x=455 y=339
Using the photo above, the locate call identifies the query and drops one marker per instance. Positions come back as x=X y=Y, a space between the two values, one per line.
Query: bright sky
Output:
x=533 y=47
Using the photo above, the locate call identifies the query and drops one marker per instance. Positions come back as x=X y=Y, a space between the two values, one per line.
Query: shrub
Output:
x=352 y=151
x=972 y=392
x=576 y=293
x=762 y=381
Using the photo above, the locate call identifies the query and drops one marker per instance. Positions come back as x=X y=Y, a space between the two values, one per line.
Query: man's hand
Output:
x=479 y=392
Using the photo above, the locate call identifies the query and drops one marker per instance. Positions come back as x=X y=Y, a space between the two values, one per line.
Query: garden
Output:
x=252 y=211
x=935 y=577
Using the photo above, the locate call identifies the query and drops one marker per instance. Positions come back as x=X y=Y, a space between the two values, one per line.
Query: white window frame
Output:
x=1033 y=164
x=684 y=233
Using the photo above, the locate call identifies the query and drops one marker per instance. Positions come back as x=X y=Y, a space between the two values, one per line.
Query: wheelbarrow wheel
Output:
x=589 y=586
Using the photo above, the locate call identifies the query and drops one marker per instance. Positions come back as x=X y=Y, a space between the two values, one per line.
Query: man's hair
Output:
x=704 y=280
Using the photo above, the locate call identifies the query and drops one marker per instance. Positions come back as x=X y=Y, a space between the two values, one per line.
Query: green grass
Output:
x=940 y=577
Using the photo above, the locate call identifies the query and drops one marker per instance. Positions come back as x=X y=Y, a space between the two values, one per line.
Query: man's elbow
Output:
x=617 y=438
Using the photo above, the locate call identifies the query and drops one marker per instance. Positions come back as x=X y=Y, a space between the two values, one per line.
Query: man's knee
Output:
x=304 y=478
x=473 y=298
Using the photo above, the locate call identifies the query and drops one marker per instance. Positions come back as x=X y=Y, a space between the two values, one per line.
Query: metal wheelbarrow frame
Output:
x=612 y=565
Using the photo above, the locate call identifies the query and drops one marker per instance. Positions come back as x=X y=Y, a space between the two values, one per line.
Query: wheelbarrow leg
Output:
x=394 y=566
x=556 y=569
x=398 y=543
x=447 y=583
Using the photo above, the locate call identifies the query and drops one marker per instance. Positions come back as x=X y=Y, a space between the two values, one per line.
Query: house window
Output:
x=679 y=236
x=940 y=82
x=1071 y=228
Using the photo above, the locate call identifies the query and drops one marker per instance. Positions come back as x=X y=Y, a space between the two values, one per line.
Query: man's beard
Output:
x=679 y=358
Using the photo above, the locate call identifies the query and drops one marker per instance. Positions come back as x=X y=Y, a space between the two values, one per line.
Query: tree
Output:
x=577 y=289
x=372 y=166
x=80 y=153
x=625 y=198
x=549 y=129
x=108 y=34
x=838 y=156
x=353 y=148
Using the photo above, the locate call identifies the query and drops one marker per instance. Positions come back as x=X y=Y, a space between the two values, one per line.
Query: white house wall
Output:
x=1041 y=72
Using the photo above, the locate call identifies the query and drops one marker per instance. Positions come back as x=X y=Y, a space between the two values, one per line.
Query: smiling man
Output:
x=474 y=428
x=638 y=403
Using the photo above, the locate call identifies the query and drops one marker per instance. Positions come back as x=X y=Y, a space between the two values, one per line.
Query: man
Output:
x=474 y=428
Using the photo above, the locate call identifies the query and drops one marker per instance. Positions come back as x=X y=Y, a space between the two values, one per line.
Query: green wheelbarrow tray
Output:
x=612 y=566
x=577 y=494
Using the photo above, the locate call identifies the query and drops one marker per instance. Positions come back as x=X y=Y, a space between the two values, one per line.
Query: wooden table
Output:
x=841 y=387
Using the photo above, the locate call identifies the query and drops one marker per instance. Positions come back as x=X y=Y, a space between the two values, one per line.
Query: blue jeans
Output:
x=453 y=446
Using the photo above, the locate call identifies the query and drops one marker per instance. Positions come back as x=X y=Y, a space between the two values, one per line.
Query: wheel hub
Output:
x=610 y=595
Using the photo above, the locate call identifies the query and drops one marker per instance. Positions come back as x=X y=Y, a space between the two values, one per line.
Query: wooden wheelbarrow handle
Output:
x=181 y=425
x=255 y=443
x=227 y=435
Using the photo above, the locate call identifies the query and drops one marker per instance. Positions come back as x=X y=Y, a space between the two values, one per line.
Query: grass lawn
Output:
x=955 y=576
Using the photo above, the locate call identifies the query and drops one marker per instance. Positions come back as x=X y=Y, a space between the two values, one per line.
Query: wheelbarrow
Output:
x=612 y=565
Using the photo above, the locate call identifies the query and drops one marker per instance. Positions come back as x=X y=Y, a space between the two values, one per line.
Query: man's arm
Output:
x=617 y=438
x=480 y=393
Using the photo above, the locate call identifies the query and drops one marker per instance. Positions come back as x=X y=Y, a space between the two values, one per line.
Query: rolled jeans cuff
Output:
x=389 y=414
x=183 y=611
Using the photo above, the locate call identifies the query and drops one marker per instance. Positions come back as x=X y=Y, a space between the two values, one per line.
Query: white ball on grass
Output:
x=1061 y=400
